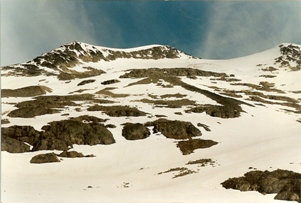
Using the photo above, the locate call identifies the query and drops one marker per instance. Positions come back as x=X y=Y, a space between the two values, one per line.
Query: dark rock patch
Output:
x=229 y=111
x=117 y=111
x=169 y=103
x=63 y=134
x=173 y=95
x=71 y=154
x=287 y=184
x=109 y=82
x=13 y=138
x=202 y=162
x=5 y=121
x=206 y=127
x=70 y=75
x=42 y=105
x=174 y=129
x=270 y=68
x=160 y=116
x=107 y=92
x=180 y=171
x=44 y=158
x=29 y=91
x=85 y=82
x=59 y=135
x=267 y=76
x=263 y=86
x=110 y=126
x=13 y=145
x=135 y=131
x=172 y=76
x=187 y=147
x=168 y=72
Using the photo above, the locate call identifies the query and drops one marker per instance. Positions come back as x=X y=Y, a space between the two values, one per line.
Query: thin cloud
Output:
x=29 y=27
x=237 y=28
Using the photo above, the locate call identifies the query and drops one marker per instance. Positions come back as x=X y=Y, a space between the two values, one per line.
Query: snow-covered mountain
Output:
x=152 y=124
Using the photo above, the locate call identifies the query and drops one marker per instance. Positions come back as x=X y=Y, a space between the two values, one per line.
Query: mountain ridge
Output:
x=151 y=126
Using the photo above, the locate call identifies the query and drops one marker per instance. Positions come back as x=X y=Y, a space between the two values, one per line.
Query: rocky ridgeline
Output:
x=61 y=61
x=291 y=57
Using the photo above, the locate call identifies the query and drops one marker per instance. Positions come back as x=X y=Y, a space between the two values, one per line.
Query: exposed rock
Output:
x=168 y=72
x=169 y=103
x=202 y=162
x=228 y=111
x=12 y=145
x=13 y=138
x=290 y=58
x=206 y=127
x=107 y=92
x=173 y=95
x=287 y=184
x=135 y=131
x=71 y=154
x=110 y=126
x=270 y=68
x=44 y=158
x=108 y=82
x=181 y=171
x=5 y=121
x=117 y=111
x=29 y=91
x=187 y=147
x=85 y=82
x=42 y=105
x=60 y=135
x=63 y=134
x=174 y=129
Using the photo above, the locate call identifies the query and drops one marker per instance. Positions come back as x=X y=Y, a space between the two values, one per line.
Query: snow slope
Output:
x=266 y=136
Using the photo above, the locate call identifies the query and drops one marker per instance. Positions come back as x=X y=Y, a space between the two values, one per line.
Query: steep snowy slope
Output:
x=162 y=126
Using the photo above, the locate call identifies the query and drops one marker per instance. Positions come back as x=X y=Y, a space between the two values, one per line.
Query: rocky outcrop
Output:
x=42 y=105
x=13 y=146
x=63 y=134
x=109 y=82
x=174 y=129
x=84 y=82
x=44 y=158
x=229 y=111
x=71 y=154
x=188 y=146
x=13 y=138
x=286 y=184
x=117 y=111
x=135 y=131
x=29 y=91
x=59 y=135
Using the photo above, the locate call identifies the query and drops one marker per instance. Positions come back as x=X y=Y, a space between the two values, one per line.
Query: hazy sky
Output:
x=207 y=29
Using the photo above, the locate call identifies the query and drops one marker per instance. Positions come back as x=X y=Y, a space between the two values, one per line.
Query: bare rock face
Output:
x=13 y=138
x=59 y=135
x=44 y=158
x=71 y=154
x=175 y=129
x=29 y=91
x=135 y=131
x=287 y=184
x=118 y=111
x=62 y=134
x=187 y=147
x=13 y=146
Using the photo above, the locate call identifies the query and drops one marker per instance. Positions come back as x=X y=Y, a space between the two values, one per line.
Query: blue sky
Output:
x=207 y=29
